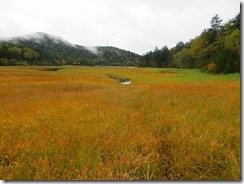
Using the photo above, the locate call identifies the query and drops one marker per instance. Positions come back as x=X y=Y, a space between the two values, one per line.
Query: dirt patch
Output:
x=168 y=72
x=50 y=69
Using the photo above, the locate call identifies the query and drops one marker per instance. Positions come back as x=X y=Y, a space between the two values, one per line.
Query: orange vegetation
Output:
x=79 y=124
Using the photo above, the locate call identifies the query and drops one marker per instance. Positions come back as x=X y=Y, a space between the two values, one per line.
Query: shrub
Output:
x=13 y=62
x=3 y=62
x=204 y=69
x=211 y=67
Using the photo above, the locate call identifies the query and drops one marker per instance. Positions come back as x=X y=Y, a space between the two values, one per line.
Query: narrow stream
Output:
x=127 y=82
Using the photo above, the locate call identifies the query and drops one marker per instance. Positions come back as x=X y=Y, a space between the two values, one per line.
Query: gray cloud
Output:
x=37 y=37
x=136 y=25
x=92 y=49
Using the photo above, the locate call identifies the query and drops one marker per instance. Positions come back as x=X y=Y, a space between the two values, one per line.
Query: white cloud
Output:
x=136 y=25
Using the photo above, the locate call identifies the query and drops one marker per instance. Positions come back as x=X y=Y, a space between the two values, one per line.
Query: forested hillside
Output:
x=215 y=50
x=45 y=49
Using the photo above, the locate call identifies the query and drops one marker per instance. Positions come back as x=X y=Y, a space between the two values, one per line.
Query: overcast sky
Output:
x=135 y=25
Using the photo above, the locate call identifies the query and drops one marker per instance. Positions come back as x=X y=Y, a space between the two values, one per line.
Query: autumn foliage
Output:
x=211 y=67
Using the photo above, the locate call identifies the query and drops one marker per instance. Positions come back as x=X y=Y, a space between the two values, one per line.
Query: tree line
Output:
x=48 y=52
x=215 y=50
x=15 y=55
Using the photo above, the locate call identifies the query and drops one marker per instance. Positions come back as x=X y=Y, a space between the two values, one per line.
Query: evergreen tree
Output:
x=216 y=23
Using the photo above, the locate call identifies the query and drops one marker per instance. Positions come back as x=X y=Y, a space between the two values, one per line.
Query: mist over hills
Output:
x=215 y=50
x=45 y=49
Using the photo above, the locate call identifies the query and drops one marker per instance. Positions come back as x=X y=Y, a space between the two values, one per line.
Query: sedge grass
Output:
x=79 y=124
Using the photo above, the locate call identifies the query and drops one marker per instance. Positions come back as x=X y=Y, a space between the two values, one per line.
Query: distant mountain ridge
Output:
x=36 y=37
x=54 y=50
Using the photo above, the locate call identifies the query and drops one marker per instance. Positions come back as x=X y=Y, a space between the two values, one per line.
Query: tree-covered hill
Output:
x=215 y=50
x=44 y=49
x=117 y=57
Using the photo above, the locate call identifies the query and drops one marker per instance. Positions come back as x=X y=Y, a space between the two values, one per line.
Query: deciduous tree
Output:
x=14 y=52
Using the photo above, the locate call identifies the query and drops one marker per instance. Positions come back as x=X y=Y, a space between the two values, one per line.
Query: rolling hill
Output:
x=45 y=49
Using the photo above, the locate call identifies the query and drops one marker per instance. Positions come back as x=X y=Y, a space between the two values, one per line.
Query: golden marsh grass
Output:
x=78 y=124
